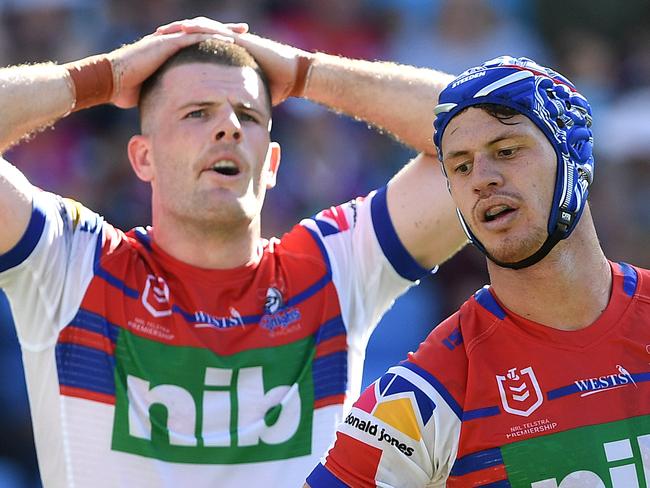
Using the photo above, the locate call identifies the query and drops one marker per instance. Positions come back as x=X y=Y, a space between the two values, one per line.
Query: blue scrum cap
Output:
x=553 y=104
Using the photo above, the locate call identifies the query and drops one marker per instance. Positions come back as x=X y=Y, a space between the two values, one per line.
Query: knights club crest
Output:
x=520 y=391
x=273 y=301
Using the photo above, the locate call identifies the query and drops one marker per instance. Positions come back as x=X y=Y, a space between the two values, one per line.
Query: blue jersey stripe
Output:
x=321 y=477
x=487 y=301
x=390 y=243
x=562 y=392
x=321 y=246
x=309 y=292
x=93 y=322
x=480 y=413
x=332 y=328
x=29 y=239
x=330 y=374
x=477 y=461
x=439 y=387
x=325 y=228
x=426 y=405
x=629 y=279
x=143 y=237
x=85 y=367
x=106 y=276
x=574 y=388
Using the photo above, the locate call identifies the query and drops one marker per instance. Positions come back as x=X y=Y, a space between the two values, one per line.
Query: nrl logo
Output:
x=155 y=297
x=520 y=391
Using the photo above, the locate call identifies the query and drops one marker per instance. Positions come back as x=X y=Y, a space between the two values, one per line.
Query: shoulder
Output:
x=446 y=352
x=635 y=281
x=300 y=243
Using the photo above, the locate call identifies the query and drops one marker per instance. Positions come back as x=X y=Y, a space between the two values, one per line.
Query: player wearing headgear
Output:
x=542 y=378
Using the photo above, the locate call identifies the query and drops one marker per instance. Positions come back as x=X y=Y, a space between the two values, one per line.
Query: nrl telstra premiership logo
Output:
x=520 y=391
x=155 y=296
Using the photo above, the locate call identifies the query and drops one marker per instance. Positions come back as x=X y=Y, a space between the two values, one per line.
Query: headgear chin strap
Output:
x=553 y=104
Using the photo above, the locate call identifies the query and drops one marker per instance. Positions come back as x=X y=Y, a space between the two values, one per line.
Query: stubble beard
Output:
x=512 y=249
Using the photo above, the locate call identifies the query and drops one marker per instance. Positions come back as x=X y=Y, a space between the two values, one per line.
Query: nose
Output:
x=486 y=175
x=228 y=128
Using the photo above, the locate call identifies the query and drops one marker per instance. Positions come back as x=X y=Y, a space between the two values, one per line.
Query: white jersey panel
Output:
x=97 y=464
x=370 y=267
x=47 y=273
x=403 y=428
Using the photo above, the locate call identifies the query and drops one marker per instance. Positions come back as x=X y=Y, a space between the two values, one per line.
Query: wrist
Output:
x=91 y=81
x=304 y=65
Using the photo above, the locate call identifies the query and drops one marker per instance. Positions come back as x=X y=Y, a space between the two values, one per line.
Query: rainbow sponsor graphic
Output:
x=398 y=403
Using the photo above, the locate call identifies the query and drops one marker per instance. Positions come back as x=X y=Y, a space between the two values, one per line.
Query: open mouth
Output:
x=497 y=211
x=226 y=167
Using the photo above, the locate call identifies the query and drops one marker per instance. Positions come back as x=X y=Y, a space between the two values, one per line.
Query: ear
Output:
x=140 y=157
x=273 y=163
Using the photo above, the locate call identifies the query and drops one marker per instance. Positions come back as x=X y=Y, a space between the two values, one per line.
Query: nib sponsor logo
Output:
x=231 y=409
x=611 y=455
x=621 y=467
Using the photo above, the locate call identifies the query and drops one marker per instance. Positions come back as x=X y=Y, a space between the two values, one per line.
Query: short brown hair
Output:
x=208 y=51
x=500 y=112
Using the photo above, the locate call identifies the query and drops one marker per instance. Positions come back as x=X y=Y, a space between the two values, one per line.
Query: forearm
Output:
x=395 y=98
x=32 y=97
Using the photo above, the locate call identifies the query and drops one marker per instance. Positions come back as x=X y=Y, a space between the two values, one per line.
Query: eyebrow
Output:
x=240 y=105
x=501 y=137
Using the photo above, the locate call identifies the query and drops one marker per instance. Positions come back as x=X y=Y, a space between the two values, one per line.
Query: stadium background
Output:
x=603 y=46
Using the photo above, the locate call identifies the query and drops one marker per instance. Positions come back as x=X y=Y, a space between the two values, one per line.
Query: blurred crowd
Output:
x=328 y=159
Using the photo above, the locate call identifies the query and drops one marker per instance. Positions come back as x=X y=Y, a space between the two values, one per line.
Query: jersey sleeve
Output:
x=46 y=274
x=401 y=432
x=370 y=265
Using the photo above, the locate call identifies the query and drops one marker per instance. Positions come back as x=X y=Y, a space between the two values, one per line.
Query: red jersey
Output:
x=494 y=400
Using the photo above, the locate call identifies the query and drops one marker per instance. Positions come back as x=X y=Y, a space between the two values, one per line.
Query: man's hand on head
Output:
x=286 y=66
x=133 y=63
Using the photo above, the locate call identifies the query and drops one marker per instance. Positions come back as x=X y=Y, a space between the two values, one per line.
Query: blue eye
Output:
x=195 y=114
x=507 y=152
x=247 y=117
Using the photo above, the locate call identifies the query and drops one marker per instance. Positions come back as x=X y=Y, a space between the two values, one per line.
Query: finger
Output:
x=203 y=24
x=197 y=29
x=200 y=23
x=238 y=27
x=183 y=39
x=169 y=28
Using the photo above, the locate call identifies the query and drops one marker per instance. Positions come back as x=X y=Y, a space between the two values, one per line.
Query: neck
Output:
x=209 y=246
x=566 y=290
